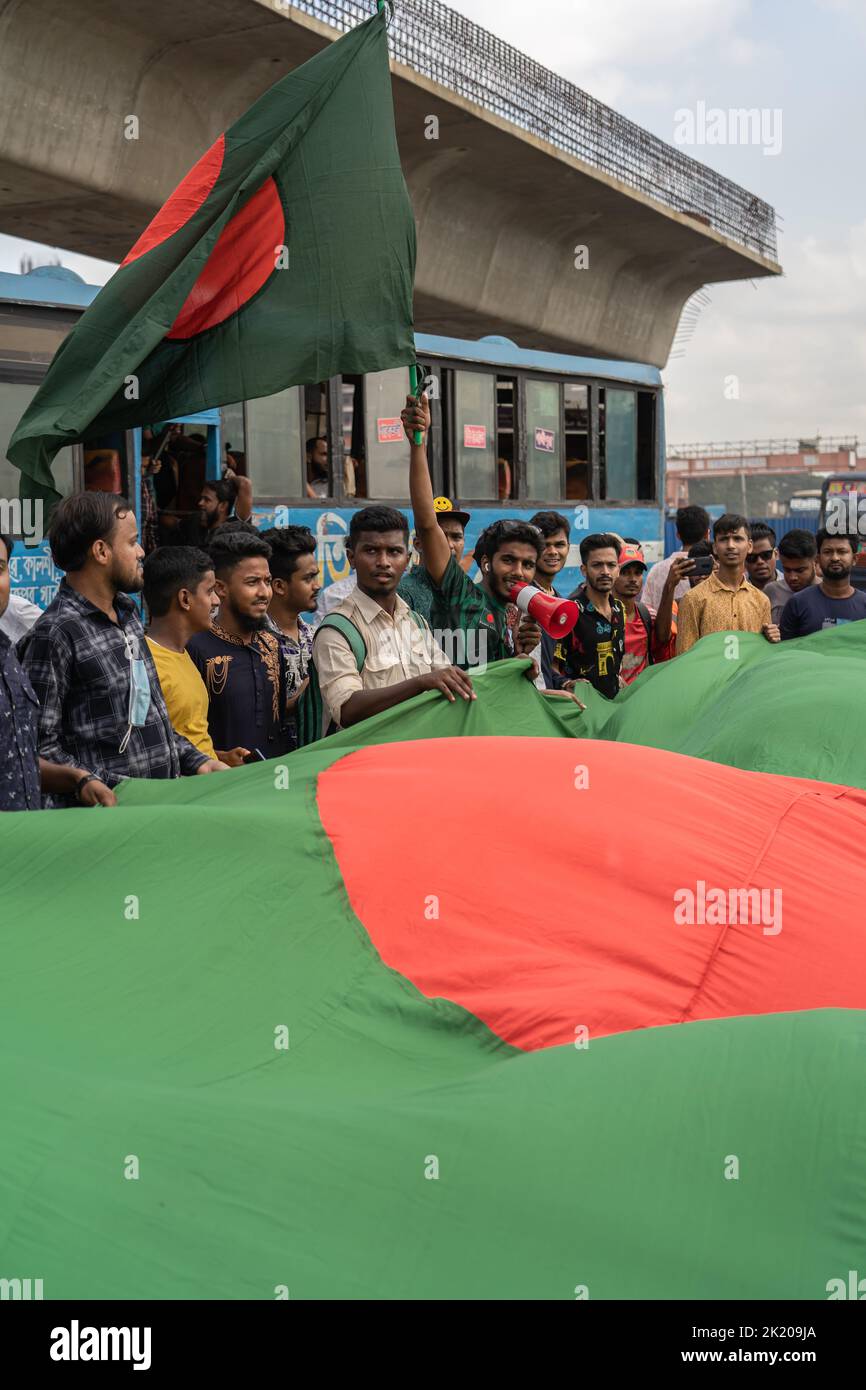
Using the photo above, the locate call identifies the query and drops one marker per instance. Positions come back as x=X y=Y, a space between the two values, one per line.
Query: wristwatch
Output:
x=82 y=783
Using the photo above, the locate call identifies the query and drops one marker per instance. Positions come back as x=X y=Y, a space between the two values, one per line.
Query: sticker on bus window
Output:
x=389 y=431
x=545 y=441
x=474 y=436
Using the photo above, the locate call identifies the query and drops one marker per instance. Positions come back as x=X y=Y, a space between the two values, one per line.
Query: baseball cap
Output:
x=442 y=505
x=631 y=555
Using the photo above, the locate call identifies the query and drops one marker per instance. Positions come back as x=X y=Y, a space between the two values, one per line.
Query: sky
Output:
x=780 y=358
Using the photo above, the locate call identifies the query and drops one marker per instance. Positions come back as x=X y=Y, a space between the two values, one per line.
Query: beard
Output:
x=252 y=622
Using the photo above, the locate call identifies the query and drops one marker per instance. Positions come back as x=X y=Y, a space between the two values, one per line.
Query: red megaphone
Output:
x=557 y=616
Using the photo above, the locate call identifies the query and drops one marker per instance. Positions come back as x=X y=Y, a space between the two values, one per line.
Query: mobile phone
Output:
x=703 y=566
x=257 y=756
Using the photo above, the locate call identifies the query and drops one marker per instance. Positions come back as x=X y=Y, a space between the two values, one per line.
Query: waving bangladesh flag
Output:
x=285 y=256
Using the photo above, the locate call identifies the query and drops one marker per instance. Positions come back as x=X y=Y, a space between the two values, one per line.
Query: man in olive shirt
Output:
x=725 y=601
x=400 y=656
x=472 y=618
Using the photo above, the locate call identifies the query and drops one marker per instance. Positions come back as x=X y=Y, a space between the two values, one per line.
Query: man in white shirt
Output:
x=693 y=525
x=401 y=657
x=19 y=617
x=332 y=596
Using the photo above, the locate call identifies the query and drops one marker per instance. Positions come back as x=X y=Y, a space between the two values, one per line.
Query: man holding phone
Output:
x=725 y=601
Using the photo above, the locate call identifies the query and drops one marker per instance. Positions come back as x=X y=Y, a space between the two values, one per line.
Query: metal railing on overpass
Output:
x=457 y=54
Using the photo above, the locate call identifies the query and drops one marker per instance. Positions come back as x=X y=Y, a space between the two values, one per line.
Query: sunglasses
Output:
x=759 y=555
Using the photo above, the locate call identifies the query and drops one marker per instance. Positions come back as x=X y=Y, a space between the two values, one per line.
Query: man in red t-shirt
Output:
x=648 y=634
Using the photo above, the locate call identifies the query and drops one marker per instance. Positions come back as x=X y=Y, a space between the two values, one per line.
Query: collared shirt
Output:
x=333 y=594
x=79 y=666
x=246 y=686
x=297 y=653
x=713 y=607
x=594 y=649
x=185 y=695
x=466 y=616
x=398 y=649
x=542 y=655
x=657 y=577
x=19 y=617
x=19 y=721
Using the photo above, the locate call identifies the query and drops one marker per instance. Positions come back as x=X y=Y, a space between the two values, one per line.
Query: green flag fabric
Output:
x=285 y=256
x=280 y=1032
x=788 y=707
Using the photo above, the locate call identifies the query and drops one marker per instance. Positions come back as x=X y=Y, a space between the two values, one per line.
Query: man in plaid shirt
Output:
x=101 y=706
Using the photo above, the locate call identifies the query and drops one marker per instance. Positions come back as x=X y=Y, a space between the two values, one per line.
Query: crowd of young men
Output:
x=230 y=669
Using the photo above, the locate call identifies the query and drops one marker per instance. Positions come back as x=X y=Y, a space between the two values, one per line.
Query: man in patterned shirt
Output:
x=102 y=708
x=594 y=650
x=472 y=621
x=295 y=585
x=726 y=601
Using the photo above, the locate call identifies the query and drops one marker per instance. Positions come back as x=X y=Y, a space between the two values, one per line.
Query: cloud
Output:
x=620 y=48
x=797 y=346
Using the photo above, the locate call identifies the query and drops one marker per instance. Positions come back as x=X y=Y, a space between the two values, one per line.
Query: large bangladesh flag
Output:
x=285 y=256
x=405 y=1037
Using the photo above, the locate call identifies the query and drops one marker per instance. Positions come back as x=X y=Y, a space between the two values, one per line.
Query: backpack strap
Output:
x=646 y=618
x=309 y=715
x=347 y=628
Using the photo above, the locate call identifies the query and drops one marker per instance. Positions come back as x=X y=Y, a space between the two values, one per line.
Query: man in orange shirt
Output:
x=725 y=601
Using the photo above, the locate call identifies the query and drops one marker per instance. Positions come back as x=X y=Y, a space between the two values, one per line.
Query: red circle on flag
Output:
x=186 y=199
x=241 y=261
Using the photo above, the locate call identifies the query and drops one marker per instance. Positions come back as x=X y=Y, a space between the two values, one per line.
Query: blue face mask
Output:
x=139 y=691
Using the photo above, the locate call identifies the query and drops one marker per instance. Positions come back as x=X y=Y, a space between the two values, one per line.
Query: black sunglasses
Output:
x=759 y=555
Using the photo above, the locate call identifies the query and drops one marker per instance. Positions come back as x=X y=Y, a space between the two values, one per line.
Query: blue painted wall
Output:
x=35 y=576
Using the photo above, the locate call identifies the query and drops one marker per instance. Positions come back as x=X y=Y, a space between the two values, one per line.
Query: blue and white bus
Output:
x=515 y=430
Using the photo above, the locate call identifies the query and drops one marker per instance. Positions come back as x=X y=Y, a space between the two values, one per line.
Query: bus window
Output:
x=32 y=336
x=354 y=466
x=387 y=450
x=274 y=445
x=646 y=446
x=234 y=436
x=618 y=443
x=475 y=436
x=543 y=441
x=505 y=467
x=14 y=400
x=577 y=474
x=317 y=475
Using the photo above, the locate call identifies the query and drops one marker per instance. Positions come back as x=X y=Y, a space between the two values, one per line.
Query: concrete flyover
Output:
x=525 y=169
